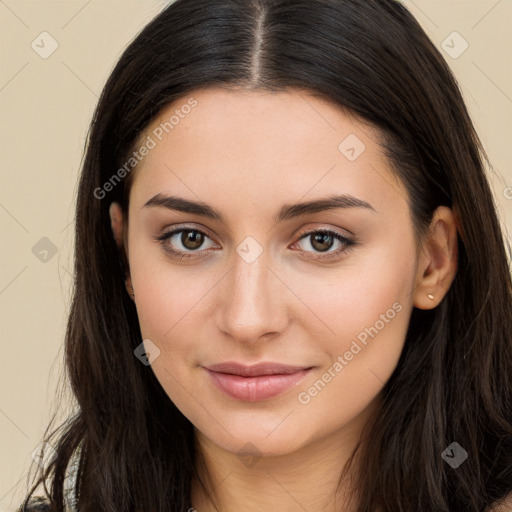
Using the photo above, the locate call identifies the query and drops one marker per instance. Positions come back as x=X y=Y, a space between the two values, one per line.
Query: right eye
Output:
x=190 y=239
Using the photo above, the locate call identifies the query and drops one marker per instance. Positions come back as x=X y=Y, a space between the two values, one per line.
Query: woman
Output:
x=292 y=290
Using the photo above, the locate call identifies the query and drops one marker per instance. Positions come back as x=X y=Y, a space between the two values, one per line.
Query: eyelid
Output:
x=187 y=227
x=323 y=228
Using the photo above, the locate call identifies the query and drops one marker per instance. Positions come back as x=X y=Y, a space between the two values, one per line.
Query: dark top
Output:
x=36 y=504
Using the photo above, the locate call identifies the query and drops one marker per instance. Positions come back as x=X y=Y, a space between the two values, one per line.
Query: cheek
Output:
x=370 y=292
x=172 y=307
x=168 y=304
x=362 y=317
x=163 y=299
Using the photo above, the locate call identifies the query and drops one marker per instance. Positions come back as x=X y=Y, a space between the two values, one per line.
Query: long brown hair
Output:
x=453 y=382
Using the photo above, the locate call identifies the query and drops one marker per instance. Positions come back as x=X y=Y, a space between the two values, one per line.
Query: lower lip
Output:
x=253 y=389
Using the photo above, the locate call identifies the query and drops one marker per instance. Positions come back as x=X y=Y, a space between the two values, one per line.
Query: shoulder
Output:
x=42 y=503
x=35 y=504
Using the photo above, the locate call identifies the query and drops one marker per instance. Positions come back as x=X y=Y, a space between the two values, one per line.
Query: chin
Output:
x=257 y=440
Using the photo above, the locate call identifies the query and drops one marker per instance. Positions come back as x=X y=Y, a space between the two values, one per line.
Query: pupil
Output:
x=191 y=237
x=322 y=237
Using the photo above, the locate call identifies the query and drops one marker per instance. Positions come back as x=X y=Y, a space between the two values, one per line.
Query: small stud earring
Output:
x=430 y=296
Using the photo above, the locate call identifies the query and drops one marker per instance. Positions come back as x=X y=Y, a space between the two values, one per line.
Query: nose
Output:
x=253 y=301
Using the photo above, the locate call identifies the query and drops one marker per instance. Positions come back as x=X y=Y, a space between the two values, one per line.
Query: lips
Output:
x=257 y=382
x=256 y=370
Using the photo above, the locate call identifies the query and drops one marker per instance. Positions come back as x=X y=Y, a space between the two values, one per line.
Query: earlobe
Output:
x=437 y=265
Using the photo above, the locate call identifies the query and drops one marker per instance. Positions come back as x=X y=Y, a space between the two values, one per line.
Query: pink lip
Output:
x=258 y=382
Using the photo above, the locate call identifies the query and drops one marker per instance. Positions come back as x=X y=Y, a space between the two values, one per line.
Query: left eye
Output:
x=323 y=240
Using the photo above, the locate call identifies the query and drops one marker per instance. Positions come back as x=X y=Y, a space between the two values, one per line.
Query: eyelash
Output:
x=348 y=243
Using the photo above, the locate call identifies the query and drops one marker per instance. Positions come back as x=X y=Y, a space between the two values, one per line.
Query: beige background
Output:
x=46 y=106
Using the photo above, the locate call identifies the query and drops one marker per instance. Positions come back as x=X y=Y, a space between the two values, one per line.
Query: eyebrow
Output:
x=287 y=211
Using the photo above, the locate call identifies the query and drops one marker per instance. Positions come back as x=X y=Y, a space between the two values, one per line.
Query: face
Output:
x=325 y=290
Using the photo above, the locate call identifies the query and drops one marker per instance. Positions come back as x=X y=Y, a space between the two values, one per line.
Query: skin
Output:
x=246 y=154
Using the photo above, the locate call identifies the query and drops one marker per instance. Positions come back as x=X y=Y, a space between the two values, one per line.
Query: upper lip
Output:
x=263 y=368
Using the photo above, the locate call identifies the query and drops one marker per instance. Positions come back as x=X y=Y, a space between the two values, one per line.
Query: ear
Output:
x=118 y=230
x=116 y=221
x=438 y=260
x=120 y=236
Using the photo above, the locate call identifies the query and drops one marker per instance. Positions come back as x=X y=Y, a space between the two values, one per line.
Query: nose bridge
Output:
x=250 y=301
x=250 y=278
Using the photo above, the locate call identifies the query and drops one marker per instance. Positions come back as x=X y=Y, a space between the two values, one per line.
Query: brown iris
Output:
x=194 y=238
x=322 y=241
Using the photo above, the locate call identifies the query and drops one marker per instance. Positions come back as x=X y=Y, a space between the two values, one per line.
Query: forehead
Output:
x=237 y=115
x=260 y=145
